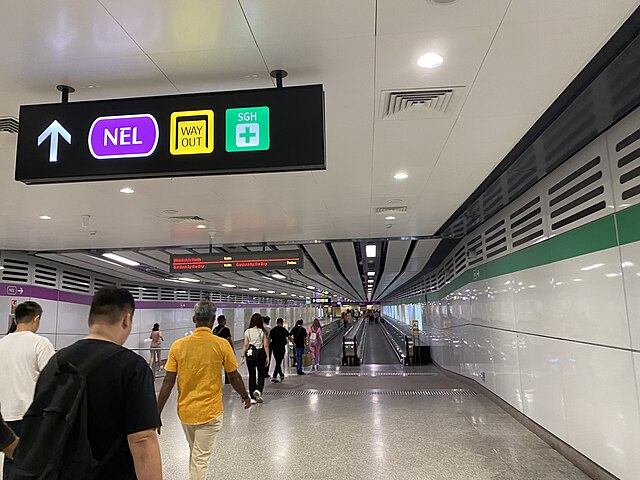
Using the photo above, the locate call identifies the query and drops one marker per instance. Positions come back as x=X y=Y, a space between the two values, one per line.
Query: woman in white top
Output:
x=256 y=354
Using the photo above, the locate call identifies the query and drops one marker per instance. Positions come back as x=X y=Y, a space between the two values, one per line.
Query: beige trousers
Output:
x=202 y=440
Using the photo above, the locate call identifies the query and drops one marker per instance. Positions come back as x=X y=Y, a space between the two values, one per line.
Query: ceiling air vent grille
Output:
x=386 y=210
x=15 y=271
x=9 y=124
x=76 y=282
x=419 y=103
x=186 y=219
x=45 y=276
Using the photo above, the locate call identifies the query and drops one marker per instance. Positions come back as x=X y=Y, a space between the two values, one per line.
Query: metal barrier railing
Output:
x=353 y=344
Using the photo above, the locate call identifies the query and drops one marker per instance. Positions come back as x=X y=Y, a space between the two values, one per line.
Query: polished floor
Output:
x=369 y=423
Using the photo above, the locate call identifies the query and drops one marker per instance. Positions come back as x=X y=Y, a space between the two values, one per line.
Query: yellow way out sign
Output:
x=191 y=132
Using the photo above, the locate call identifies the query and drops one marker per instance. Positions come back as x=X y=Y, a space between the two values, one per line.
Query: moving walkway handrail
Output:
x=401 y=342
x=330 y=331
x=353 y=344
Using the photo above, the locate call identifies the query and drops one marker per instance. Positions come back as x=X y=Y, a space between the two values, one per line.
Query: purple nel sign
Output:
x=123 y=136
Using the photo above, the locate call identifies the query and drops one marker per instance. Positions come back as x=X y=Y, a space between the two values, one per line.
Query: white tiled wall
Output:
x=553 y=341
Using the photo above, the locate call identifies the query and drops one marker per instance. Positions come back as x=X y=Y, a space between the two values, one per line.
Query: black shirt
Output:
x=279 y=337
x=222 y=332
x=121 y=400
x=299 y=334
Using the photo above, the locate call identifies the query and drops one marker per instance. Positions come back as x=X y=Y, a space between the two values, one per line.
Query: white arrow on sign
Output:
x=20 y=291
x=54 y=131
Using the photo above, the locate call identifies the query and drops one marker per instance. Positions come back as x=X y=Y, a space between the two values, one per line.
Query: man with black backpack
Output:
x=94 y=414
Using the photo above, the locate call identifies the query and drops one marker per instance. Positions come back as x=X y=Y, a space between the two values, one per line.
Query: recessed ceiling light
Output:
x=271 y=291
x=192 y=280
x=278 y=276
x=335 y=295
x=371 y=274
x=201 y=226
x=127 y=190
x=390 y=217
x=176 y=280
x=44 y=217
x=252 y=289
x=371 y=251
x=294 y=295
x=228 y=285
x=400 y=176
x=430 y=60
x=371 y=280
x=120 y=259
x=284 y=293
x=311 y=287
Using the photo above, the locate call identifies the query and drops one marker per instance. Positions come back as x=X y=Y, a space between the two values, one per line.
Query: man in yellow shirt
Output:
x=197 y=362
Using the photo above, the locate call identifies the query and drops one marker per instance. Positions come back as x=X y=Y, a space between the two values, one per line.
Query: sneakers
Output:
x=275 y=380
x=301 y=373
x=258 y=396
x=282 y=378
x=253 y=401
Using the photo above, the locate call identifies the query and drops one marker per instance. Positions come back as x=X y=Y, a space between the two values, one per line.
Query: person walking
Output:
x=156 y=344
x=195 y=361
x=223 y=331
x=299 y=338
x=256 y=354
x=315 y=343
x=278 y=341
x=23 y=356
x=121 y=409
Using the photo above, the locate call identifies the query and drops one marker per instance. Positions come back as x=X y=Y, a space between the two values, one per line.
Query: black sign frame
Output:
x=296 y=130
x=240 y=261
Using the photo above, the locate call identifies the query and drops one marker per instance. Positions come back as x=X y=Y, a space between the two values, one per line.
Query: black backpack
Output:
x=55 y=443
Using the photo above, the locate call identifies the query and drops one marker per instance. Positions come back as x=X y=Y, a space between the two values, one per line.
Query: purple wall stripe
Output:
x=24 y=292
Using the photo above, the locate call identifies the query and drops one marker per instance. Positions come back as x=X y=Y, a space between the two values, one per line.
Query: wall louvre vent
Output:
x=475 y=251
x=9 y=124
x=577 y=196
x=45 y=276
x=495 y=239
x=195 y=295
x=526 y=224
x=167 y=294
x=626 y=163
x=135 y=290
x=15 y=271
x=150 y=293
x=76 y=282
x=460 y=261
x=99 y=283
x=182 y=295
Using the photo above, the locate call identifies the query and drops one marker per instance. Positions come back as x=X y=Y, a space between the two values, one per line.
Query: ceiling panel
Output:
x=321 y=256
x=513 y=57
x=347 y=258
x=396 y=254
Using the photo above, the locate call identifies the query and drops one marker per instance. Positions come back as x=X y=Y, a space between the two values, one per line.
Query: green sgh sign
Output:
x=248 y=131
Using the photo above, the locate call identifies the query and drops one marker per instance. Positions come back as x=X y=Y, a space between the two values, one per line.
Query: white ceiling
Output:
x=512 y=56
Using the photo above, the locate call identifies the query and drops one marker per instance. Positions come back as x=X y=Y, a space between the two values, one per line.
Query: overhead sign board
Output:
x=249 y=131
x=220 y=262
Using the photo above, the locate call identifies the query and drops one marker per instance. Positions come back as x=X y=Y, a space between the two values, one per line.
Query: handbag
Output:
x=252 y=352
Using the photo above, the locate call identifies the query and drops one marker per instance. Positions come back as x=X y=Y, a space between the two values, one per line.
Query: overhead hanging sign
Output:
x=250 y=131
x=235 y=262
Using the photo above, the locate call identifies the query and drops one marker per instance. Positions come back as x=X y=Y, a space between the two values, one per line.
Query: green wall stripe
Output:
x=628 y=225
x=592 y=237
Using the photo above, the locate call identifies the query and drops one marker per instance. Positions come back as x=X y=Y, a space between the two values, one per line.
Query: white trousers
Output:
x=202 y=440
